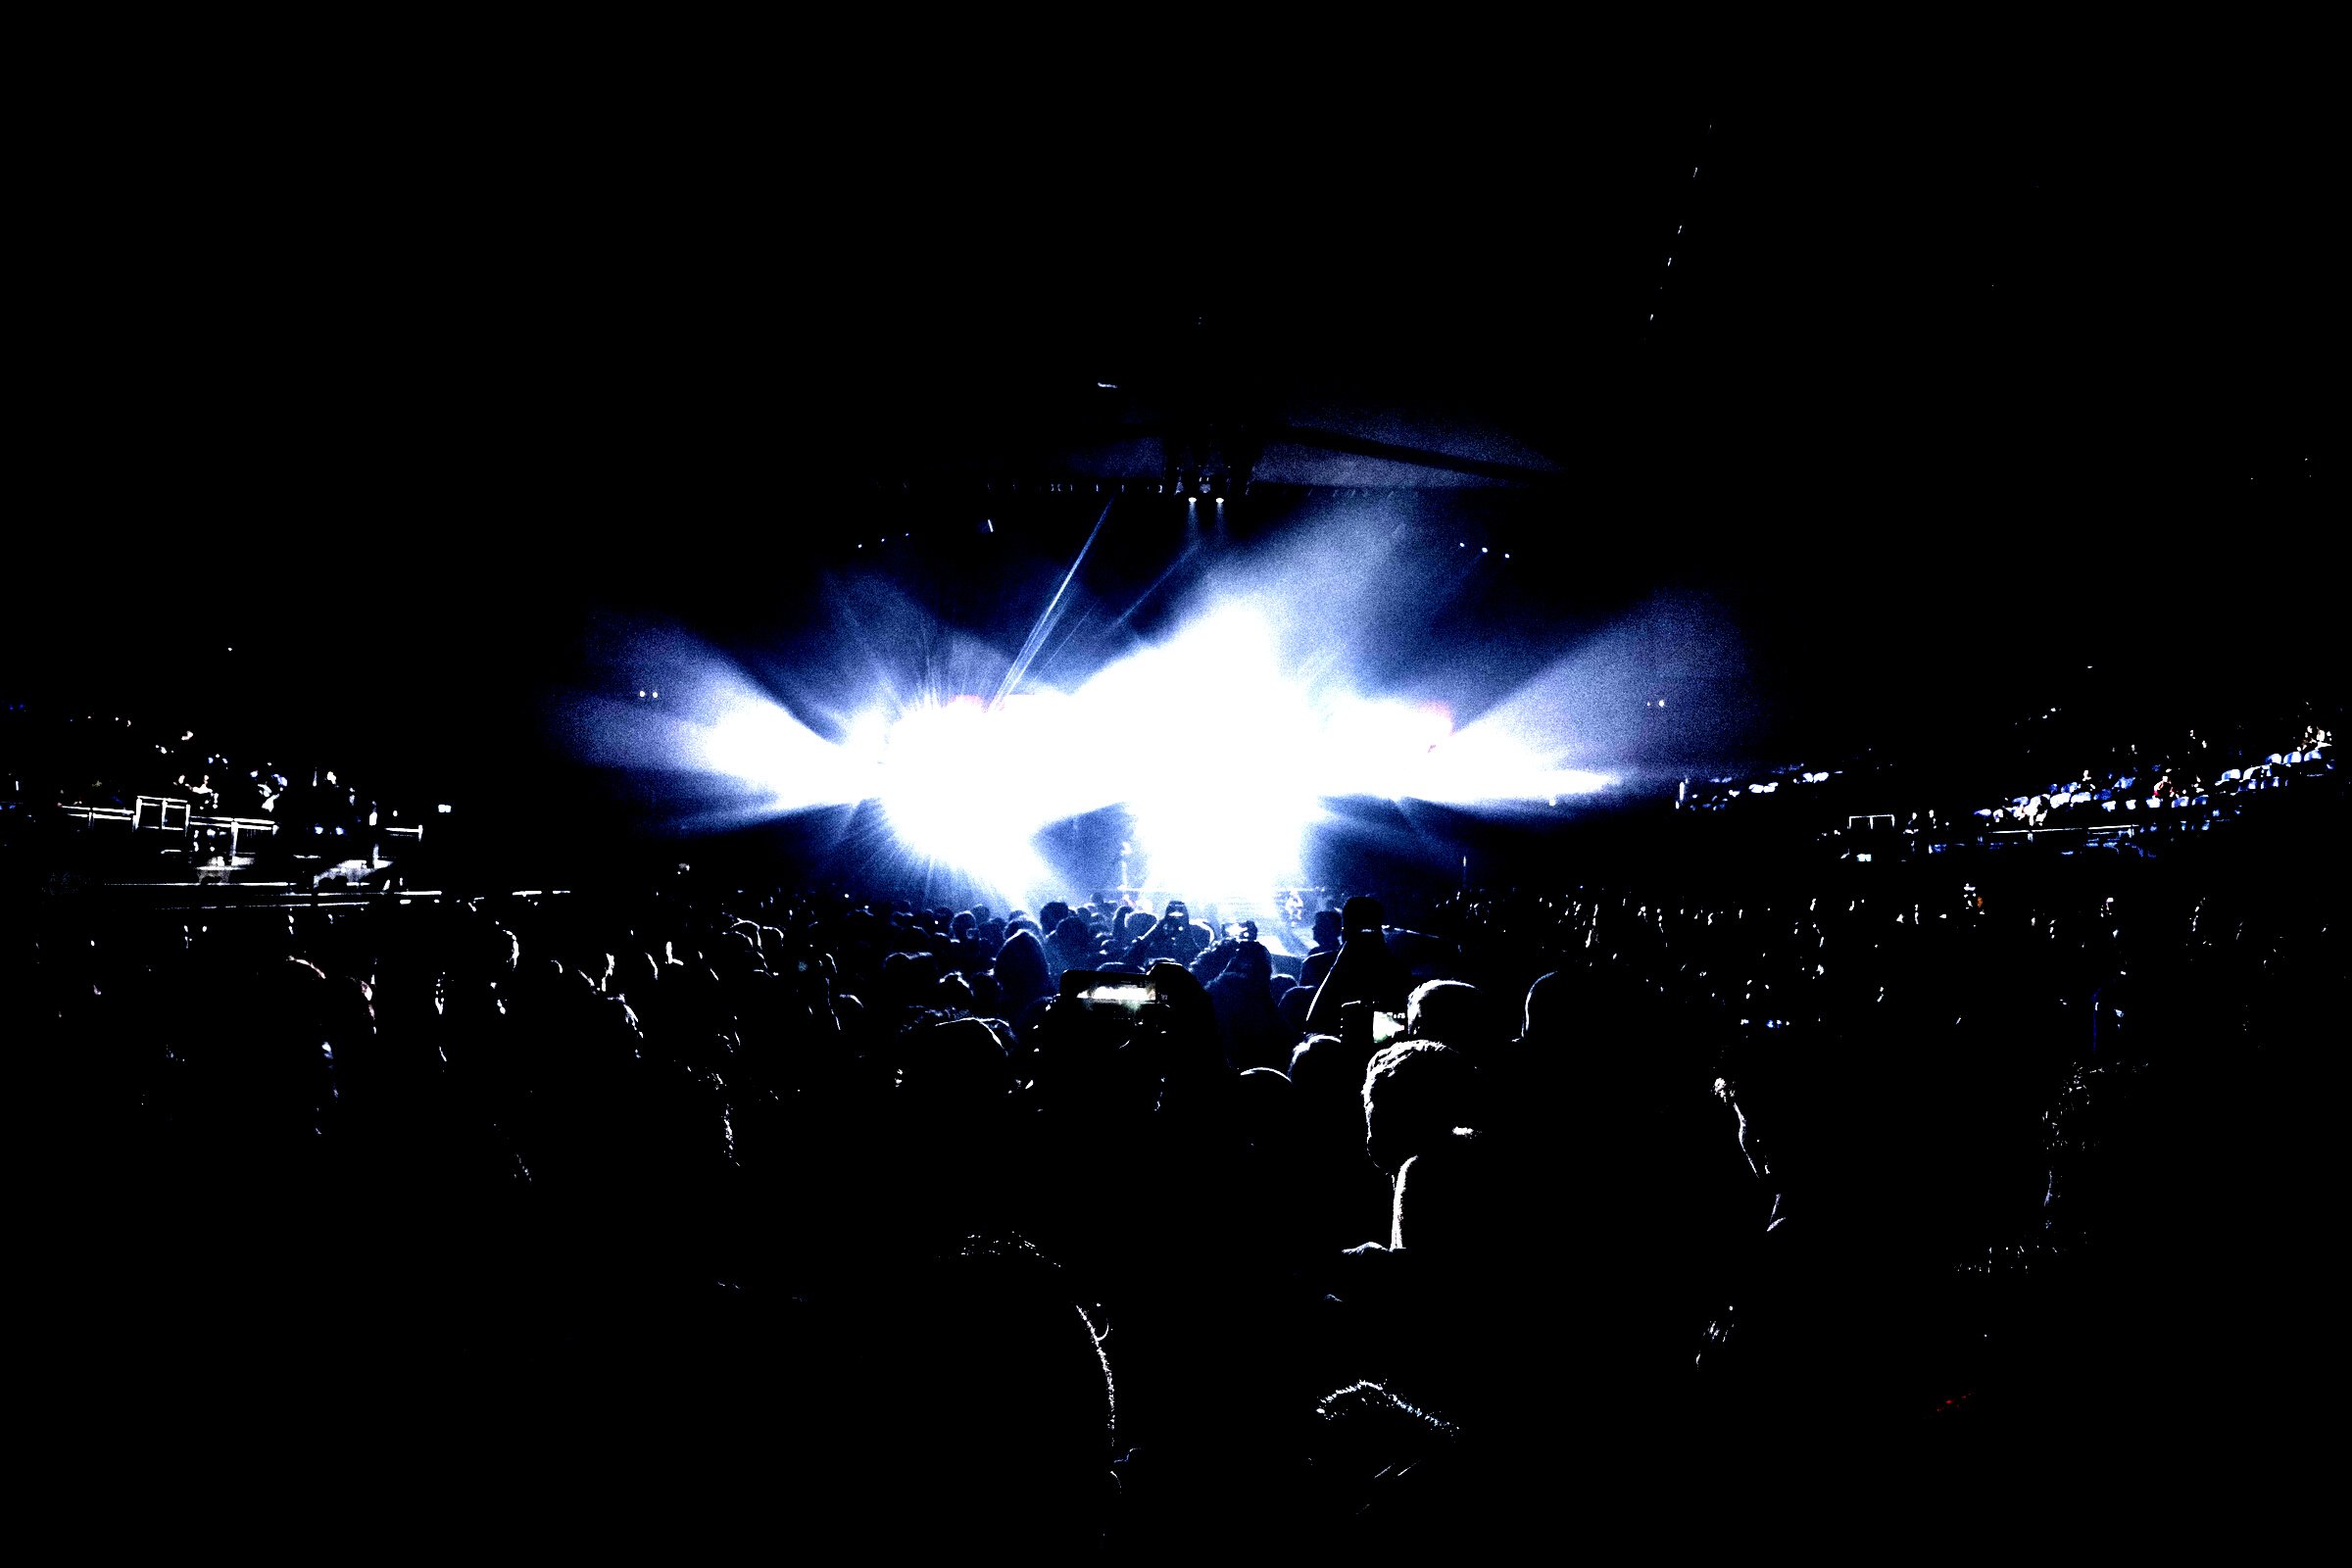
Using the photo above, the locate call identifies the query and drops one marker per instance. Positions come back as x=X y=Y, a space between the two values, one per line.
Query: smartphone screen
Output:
x=1095 y=991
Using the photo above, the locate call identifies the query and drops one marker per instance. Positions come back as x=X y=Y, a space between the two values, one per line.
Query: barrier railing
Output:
x=161 y=811
x=92 y=816
x=163 y=814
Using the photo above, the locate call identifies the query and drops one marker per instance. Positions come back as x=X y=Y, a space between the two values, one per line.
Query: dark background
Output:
x=422 y=393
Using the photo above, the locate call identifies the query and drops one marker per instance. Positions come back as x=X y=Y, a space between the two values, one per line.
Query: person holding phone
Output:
x=1175 y=937
x=1365 y=970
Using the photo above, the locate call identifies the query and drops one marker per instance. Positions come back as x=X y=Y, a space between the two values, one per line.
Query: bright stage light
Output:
x=1237 y=753
x=950 y=781
x=1226 y=844
x=753 y=739
x=1223 y=778
x=1487 y=767
x=1381 y=748
x=1226 y=743
x=967 y=785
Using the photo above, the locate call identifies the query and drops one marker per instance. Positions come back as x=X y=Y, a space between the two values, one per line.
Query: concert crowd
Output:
x=1099 y=1233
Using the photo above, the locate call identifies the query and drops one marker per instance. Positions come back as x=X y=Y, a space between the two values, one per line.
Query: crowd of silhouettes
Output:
x=1593 y=1205
x=108 y=760
x=2198 y=780
x=2170 y=775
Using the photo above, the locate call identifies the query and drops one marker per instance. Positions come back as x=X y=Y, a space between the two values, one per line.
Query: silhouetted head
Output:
x=1451 y=1011
x=953 y=992
x=958 y=1065
x=1417 y=1095
x=1251 y=962
x=1021 y=973
x=907 y=978
x=1388 y=1468
x=1444 y=1204
x=1327 y=929
x=1262 y=1108
x=1293 y=1007
x=972 y=1410
x=1362 y=916
x=1547 y=1000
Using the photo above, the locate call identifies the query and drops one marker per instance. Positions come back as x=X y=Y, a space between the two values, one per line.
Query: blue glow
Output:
x=1227 y=741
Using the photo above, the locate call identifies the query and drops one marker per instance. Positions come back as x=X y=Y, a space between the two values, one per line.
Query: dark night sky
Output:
x=406 y=406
